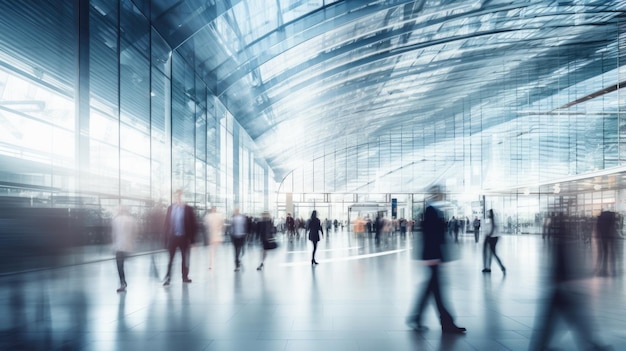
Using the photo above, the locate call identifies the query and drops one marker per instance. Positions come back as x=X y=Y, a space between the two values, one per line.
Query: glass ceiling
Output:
x=395 y=95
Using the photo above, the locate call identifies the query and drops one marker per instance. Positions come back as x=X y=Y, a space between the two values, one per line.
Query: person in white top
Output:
x=489 y=247
x=214 y=224
x=123 y=234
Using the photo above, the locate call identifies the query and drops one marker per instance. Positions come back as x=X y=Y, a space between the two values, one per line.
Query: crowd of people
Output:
x=180 y=229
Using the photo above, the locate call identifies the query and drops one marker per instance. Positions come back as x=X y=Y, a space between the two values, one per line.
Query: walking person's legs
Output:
x=211 y=255
x=120 y=256
x=611 y=260
x=263 y=255
x=486 y=255
x=238 y=244
x=414 y=320
x=171 y=248
x=185 y=249
x=154 y=272
x=313 y=261
x=447 y=322
x=435 y=287
x=602 y=257
x=492 y=246
x=546 y=320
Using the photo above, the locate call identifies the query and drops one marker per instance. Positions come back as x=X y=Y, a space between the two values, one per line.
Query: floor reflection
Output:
x=357 y=298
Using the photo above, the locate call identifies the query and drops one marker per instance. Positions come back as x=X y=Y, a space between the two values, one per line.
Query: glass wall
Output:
x=97 y=111
x=517 y=136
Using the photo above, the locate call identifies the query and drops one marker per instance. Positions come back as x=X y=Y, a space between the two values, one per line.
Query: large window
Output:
x=107 y=115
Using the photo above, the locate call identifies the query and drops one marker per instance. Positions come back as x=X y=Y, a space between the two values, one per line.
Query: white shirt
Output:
x=239 y=226
x=214 y=222
x=123 y=233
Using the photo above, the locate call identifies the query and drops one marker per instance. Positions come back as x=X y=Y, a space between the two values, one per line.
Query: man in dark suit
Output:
x=433 y=254
x=180 y=231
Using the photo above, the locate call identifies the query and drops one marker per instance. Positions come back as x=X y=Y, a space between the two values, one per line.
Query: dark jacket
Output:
x=606 y=225
x=433 y=237
x=315 y=227
x=291 y=224
x=265 y=229
x=189 y=223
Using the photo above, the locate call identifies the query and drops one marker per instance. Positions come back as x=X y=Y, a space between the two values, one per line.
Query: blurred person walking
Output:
x=180 y=231
x=378 y=226
x=265 y=228
x=214 y=224
x=123 y=235
x=328 y=224
x=403 y=226
x=433 y=254
x=476 y=225
x=238 y=235
x=606 y=229
x=301 y=226
x=567 y=296
x=359 y=225
x=291 y=226
x=456 y=226
x=298 y=223
x=489 y=246
x=155 y=220
x=451 y=223
x=315 y=228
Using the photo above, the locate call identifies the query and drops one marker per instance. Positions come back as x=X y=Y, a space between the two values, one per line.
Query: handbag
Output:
x=270 y=243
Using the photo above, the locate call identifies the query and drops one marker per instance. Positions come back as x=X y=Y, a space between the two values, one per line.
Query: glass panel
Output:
x=42 y=49
x=200 y=200
x=134 y=29
x=201 y=134
x=292 y=9
x=255 y=18
x=104 y=93
x=134 y=140
x=183 y=128
x=37 y=116
x=134 y=88
x=104 y=162
x=212 y=137
x=103 y=128
x=134 y=175
x=104 y=59
x=25 y=138
x=160 y=53
x=229 y=176
x=317 y=175
x=223 y=185
x=160 y=156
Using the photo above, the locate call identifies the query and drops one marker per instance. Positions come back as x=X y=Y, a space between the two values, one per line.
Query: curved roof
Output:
x=312 y=78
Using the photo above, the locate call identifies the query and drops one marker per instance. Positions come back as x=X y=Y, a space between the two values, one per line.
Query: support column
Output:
x=81 y=98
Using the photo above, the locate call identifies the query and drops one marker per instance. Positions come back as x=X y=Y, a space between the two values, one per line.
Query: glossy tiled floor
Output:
x=356 y=299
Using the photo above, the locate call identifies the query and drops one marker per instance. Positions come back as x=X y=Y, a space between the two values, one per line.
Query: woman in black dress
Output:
x=315 y=228
x=265 y=229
